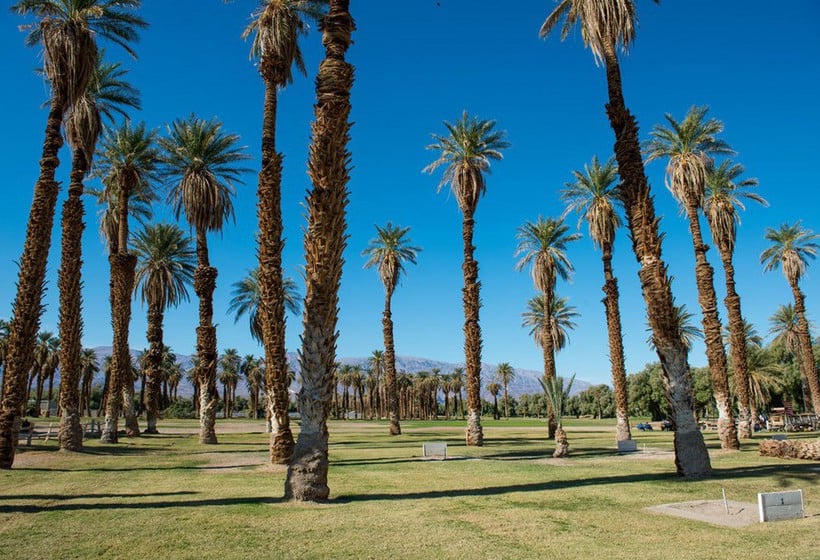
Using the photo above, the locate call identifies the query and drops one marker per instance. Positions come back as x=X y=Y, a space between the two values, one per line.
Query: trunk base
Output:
x=71 y=432
x=109 y=431
x=691 y=455
x=307 y=475
x=395 y=427
x=475 y=434
x=622 y=430
x=744 y=426
x=728 y=434
x=561 y=443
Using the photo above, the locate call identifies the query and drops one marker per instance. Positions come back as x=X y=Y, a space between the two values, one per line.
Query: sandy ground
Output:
x=739 y=514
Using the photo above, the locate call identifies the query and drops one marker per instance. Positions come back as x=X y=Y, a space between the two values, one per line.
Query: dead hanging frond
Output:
x=83 y=125
x=69 y=57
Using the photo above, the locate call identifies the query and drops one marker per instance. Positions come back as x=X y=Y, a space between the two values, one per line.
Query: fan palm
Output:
x=324 y=243
x=594 y=195
x=505 y=375
x=724 y=196
x=791 y=248
x=127 y=164
x=276 y=26
x=542 y=247
x=200 y=161
x=106 y=94
x=247 y=300
x=689 y=145
x=557 y=395
x=609 y=26
x=67 y=31
x=165 y=270
x=466 y=152
x=388 y=252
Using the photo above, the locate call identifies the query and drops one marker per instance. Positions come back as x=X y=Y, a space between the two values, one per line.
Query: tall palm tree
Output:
x=505 y=375
x=557 y=395
x=276 y=26
x=594 y=196
x=376 y=363
x=765 y=377
x=494 y=388
x=560 y=321
x=88 y=367
x=67 y=31
x=229 y=364
x=690 y=145
x=200 y=161
x=542 y=247
x=106 y=94
x=724 y=196
x=254 y=374
x=388 y=252
x=466 y=152
x=165 y=269
x=127 y=164
x=247 y=300
x=324 y=243
x=791 y=247
x=608 y=26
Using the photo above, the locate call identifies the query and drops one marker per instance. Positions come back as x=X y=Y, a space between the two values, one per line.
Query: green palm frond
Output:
x=166 y=260
x=388 y=251
x=593 y=196
x=791 y=247
x=247 y=299
x=542 y=245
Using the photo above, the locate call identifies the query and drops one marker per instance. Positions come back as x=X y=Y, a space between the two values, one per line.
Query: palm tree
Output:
x=247 y=299
x=376 y=362
x=765 y=378
x=106 y=94
x=594 y=195
x=783 y=325
x=324 y=242
x=466 y=152
x=791 y=247
x=67 y=31
x=542 y=246
x=276 y=26
x=200 y=161
x=690 y=145
x=165 y=270
x=128 y=167
x=229 y=364
x=505 y=375
x=88 y=367
x=253 y=371
x=557 y=397
x=388 y=252
x=608 y=26
x=689 y=331
x=494 y=388
x=724 y=196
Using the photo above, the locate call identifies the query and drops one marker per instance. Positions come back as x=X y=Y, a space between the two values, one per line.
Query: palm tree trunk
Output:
x=204 y=285
x=104 y=396
x=548 y=346
x=616 y=347
x=153 y=366
x=737 y=339
x=804 y=343
x=122 y=285
x=561 y=443
x=132 y=427
x=691 y=456
x=390 y=367
x=71 y=325
x=713 y=334
x=325 y=241
x=27 y=308
x=472 y=335
x=50 y=392
x=272 y=308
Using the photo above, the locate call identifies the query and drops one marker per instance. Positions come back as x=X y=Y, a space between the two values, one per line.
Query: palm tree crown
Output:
x=593 y=195
x=543 y=244
x=388 y=251
x=166 y=262
x=247 y=299
x=792 y=246
x=466 y=153
x=199 y=159
x=562 y=315
x=725 y=193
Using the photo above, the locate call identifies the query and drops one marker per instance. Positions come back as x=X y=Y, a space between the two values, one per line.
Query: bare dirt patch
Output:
x=235 y=462
x=739 y=514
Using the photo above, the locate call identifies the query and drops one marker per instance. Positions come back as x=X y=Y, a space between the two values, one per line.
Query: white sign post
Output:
x=777 y=506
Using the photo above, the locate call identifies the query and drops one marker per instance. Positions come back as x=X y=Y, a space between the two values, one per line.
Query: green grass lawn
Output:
x=165 y=496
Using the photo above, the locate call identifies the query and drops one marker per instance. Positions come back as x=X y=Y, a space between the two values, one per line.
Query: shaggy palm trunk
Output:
x=561 y=443
x=71 y=325
x=737 y=339
x=204 y=285
x=691 y=455
x=616 y=347
x=272 y=307
x=325 y=240
x=153 y=366
x=472 y=335
x=129 y=411
x=27 y=307
x=804 y=343
x=713 y=334
x=390 y=367
x=548 y=346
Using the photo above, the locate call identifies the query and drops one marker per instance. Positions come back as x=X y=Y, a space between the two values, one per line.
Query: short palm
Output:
x=246 y=300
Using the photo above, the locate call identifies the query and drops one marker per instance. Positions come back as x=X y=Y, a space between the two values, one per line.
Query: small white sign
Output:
x=434 y=449
x=777 y=506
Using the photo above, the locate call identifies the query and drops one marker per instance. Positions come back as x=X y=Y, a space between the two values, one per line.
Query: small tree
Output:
x=558 y=396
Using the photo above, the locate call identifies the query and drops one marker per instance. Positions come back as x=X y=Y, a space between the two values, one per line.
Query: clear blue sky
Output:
x=419 y=63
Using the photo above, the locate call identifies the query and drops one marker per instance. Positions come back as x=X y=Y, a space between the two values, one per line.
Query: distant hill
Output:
x=526 y=381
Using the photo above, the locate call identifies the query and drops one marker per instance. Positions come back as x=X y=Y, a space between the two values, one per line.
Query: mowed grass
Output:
x=166 y=496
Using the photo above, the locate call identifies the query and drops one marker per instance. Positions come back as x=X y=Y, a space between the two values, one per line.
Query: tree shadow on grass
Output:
x=209 y=502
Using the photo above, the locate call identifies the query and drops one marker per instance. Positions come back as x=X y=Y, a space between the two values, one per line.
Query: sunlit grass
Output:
x=166 y=496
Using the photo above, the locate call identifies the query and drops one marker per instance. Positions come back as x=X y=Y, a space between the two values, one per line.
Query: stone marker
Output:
x=434 y=449
x=777 y=506
x=627 y=446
